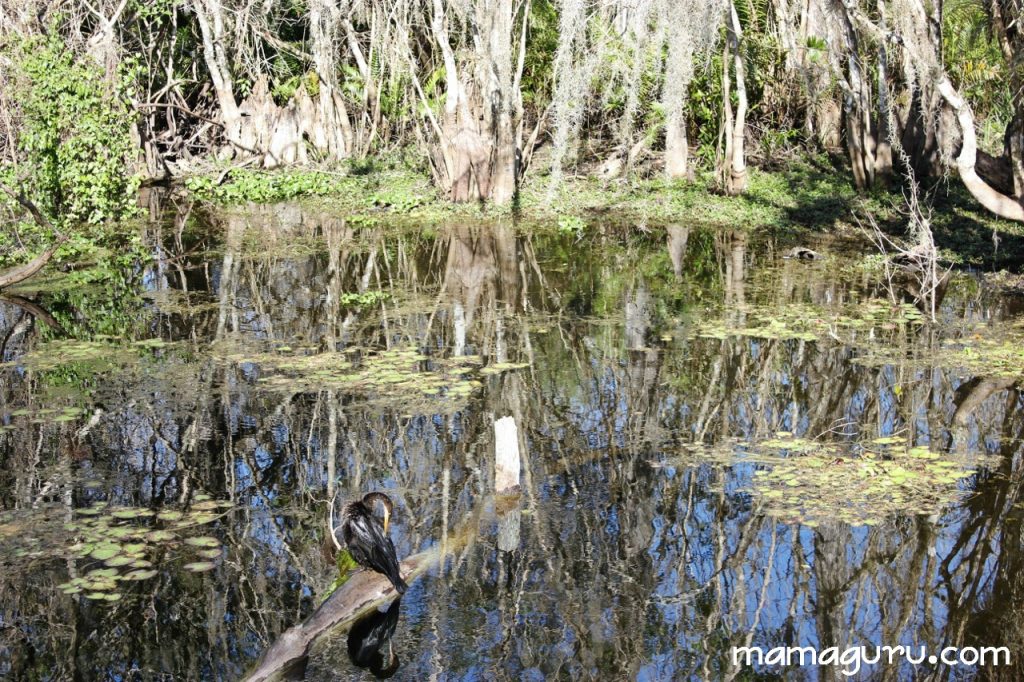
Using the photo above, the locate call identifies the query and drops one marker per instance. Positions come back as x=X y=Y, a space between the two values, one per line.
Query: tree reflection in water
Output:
x=632 y=553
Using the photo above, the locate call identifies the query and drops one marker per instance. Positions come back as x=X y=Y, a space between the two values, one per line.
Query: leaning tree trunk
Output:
x=734 y=168
x=1000 y=204
x=210 y=14
x=20 y=273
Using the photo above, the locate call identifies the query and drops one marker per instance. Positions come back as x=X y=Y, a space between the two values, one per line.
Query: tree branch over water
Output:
x=21 y=273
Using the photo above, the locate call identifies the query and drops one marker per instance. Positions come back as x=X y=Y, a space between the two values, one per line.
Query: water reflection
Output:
x=639 y=547
x=369 y=641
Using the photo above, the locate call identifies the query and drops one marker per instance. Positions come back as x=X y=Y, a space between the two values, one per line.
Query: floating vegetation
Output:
x=857 y=323
x=199 y=566
x=43 y=415
x=115 y=544
x=875 y=328
x=499 y=367
x=808 y=482
x=990 y=350
x=382 y=376
x=101 y=353
x=203 y=541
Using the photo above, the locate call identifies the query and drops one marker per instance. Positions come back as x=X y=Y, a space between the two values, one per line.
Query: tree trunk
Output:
x=883 y=133
x=735 y=176
x=678 y=72
x=478 y=149
x=330 y=124
x=210 y=16
x=1000 y=204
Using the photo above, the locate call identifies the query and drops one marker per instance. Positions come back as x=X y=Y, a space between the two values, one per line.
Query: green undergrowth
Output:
x=800 y=196
x=810 y=195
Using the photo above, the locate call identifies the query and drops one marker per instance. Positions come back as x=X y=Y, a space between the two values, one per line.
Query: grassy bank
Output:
x=806 y=196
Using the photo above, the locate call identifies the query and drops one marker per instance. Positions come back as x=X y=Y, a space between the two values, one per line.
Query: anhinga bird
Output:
x=367 y=539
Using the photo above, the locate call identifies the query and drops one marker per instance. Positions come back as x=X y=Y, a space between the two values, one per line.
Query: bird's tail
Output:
x=400 y=585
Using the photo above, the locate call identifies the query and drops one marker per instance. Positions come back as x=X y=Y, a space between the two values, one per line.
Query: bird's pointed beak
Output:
x=387 y=520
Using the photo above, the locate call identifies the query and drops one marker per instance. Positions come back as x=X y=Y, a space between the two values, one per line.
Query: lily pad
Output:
x=203 y=541
x=105 y=552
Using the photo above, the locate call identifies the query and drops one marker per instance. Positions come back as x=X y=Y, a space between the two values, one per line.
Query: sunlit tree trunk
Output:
x=330 y=130
x=734 y=167
x=1006 y=16
x=678 y=71
x=883 y=148
x=477 y=149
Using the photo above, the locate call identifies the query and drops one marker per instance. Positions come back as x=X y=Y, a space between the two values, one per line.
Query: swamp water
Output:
x=721 y=448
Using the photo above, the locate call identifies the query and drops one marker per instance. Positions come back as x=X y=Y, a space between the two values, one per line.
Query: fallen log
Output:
x=22 y=272
x=35 y=310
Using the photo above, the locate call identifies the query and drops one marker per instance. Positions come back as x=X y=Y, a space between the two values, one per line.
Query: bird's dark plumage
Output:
x=367 y=538
x=369 y=641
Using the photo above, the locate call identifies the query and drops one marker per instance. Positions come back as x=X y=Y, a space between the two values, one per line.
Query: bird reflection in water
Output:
x=369 y=641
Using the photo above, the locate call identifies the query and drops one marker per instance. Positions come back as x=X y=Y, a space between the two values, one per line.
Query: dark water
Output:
x=644 y=544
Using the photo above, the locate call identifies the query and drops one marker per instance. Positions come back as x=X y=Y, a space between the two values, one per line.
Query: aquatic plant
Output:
x=809 y=482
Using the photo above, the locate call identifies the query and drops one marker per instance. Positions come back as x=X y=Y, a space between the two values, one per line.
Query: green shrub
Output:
x=75 y=135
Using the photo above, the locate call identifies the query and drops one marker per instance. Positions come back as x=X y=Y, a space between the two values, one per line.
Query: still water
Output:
x=721 y=448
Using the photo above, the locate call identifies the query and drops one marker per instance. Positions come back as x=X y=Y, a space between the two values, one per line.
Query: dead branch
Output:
x=35 y=310
x=22 y=272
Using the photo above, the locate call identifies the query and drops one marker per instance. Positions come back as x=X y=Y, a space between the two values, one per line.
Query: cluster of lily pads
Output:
x=986 y=350
x=100 y=353
x=809 y=482
x=989 y=350
x=119 y=543
x=401 y=374
x=42 y=415
x=807 y=322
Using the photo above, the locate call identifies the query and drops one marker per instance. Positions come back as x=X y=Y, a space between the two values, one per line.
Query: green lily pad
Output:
x=104 y=552
x=161 y=536
x=199 y=566
x=131 y=513
x=203 y=541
